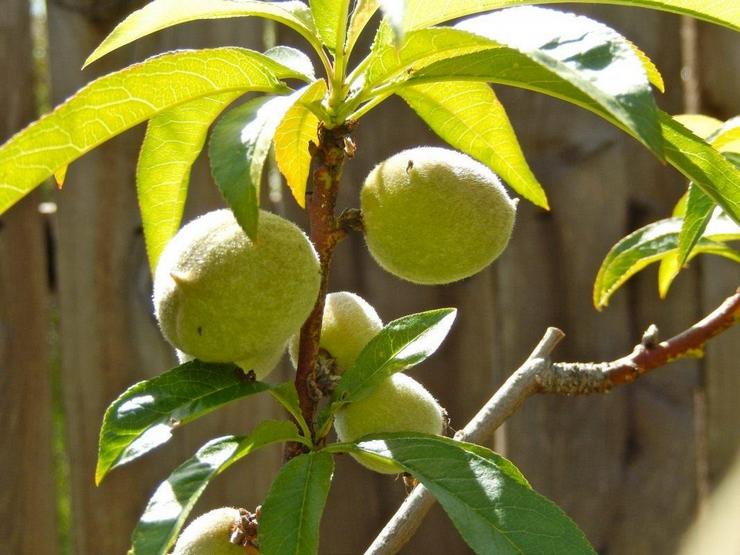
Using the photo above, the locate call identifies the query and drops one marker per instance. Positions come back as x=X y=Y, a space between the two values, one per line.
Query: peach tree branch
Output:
x=539 y=374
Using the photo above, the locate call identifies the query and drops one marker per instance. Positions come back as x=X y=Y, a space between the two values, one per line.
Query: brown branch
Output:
x=327 y=161
x=579 y=378
x=539 y=375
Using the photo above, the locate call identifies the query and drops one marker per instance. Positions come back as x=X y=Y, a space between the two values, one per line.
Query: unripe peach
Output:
x=398 y=404
x=434 y=215
x=221 y=297
x=209 y=534
x=348 y=324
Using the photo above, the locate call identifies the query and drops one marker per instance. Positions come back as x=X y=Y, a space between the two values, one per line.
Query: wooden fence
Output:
x=631 y=467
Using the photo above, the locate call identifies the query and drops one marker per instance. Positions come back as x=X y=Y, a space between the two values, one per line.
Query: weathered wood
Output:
x=109 y=337
x=27 y=492
x=719 y=65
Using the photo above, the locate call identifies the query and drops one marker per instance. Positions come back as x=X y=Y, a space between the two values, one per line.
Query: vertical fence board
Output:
x=719 y=66
x=27 y=493
x=109 y=336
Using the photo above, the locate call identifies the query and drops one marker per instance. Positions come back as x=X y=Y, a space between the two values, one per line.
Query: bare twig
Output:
x=520 y=385
x=539 y=375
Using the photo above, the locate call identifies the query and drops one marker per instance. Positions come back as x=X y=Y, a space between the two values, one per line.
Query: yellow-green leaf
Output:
x=161 y=14
x=416 y=14
x=172 y=143
x=298 y=128
x=330 y=17
x=364 y=10
x=114 y=103
x=469 y=117
x=700 y=125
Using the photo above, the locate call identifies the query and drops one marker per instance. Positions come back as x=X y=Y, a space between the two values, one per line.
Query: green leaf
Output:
x=652 y=72
x=238 y=149
x=727 y=137
x=492 y=506
x=589 y=55
x=700 y=125
x=292 y=137
x=669 y=267
x=416 y=14
x=584 y=54
x=703 y=164
x=685 y=151
x=171 y=145
x=699 y=208
x=363 y=11
x=291 y=513
x=649 y=244
x=293 y=59
x=331 y=20
x=173 y=500
x=114 y=103
x=161 y=14
x=286 y=394
x=143 y=417
x=401 y=344
x=470 y=118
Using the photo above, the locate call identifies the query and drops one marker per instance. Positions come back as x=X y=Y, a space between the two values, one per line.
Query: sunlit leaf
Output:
x=291 y=513
x=492 y=506
x=286 y=394
x=161 y=14
x=331 y=20
x=669 y=267
x=144 y=417
x=699 y=208
x=172 y=143
x=293 y=59
x=700 y=125
x=401 y=344
x=470 y=118
x=114 y=103
x=652 y=72
x=690 y=155
x=581 y=53
x=363 y=11
x=416 y=14
x=238 y=149
x=727 y=137
x=651 y=243
x=292 y=137
x=173 y=500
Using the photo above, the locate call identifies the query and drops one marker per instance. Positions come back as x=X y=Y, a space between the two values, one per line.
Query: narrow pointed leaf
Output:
x=114 y=103
x=492 y=506
x=161 y=14
x=669 y=267
x=173 y=500
x=652 y=72
x=470 y=118
x=286 y=394
x=401 y=344
x=363 y=11
x=291 y=513
x=590 y=55
x=292 y=137
x=649 y=244
x=689 y=154
x=584 y=54
x=699 y=208
x=330 y=17
x=416 y=14
x=293 y=59
x=238 y=149
x=172 y=143
x=727 y=137
x=700 y=125
x=144 y=417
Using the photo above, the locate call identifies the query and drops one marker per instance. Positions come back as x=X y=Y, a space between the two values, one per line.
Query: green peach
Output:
x=397 y=404
x=209 y=534
x=434 y=216
x=221 y=297
x=348 y=324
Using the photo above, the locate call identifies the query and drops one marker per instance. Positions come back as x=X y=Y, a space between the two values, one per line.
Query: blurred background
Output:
x=633 y=468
